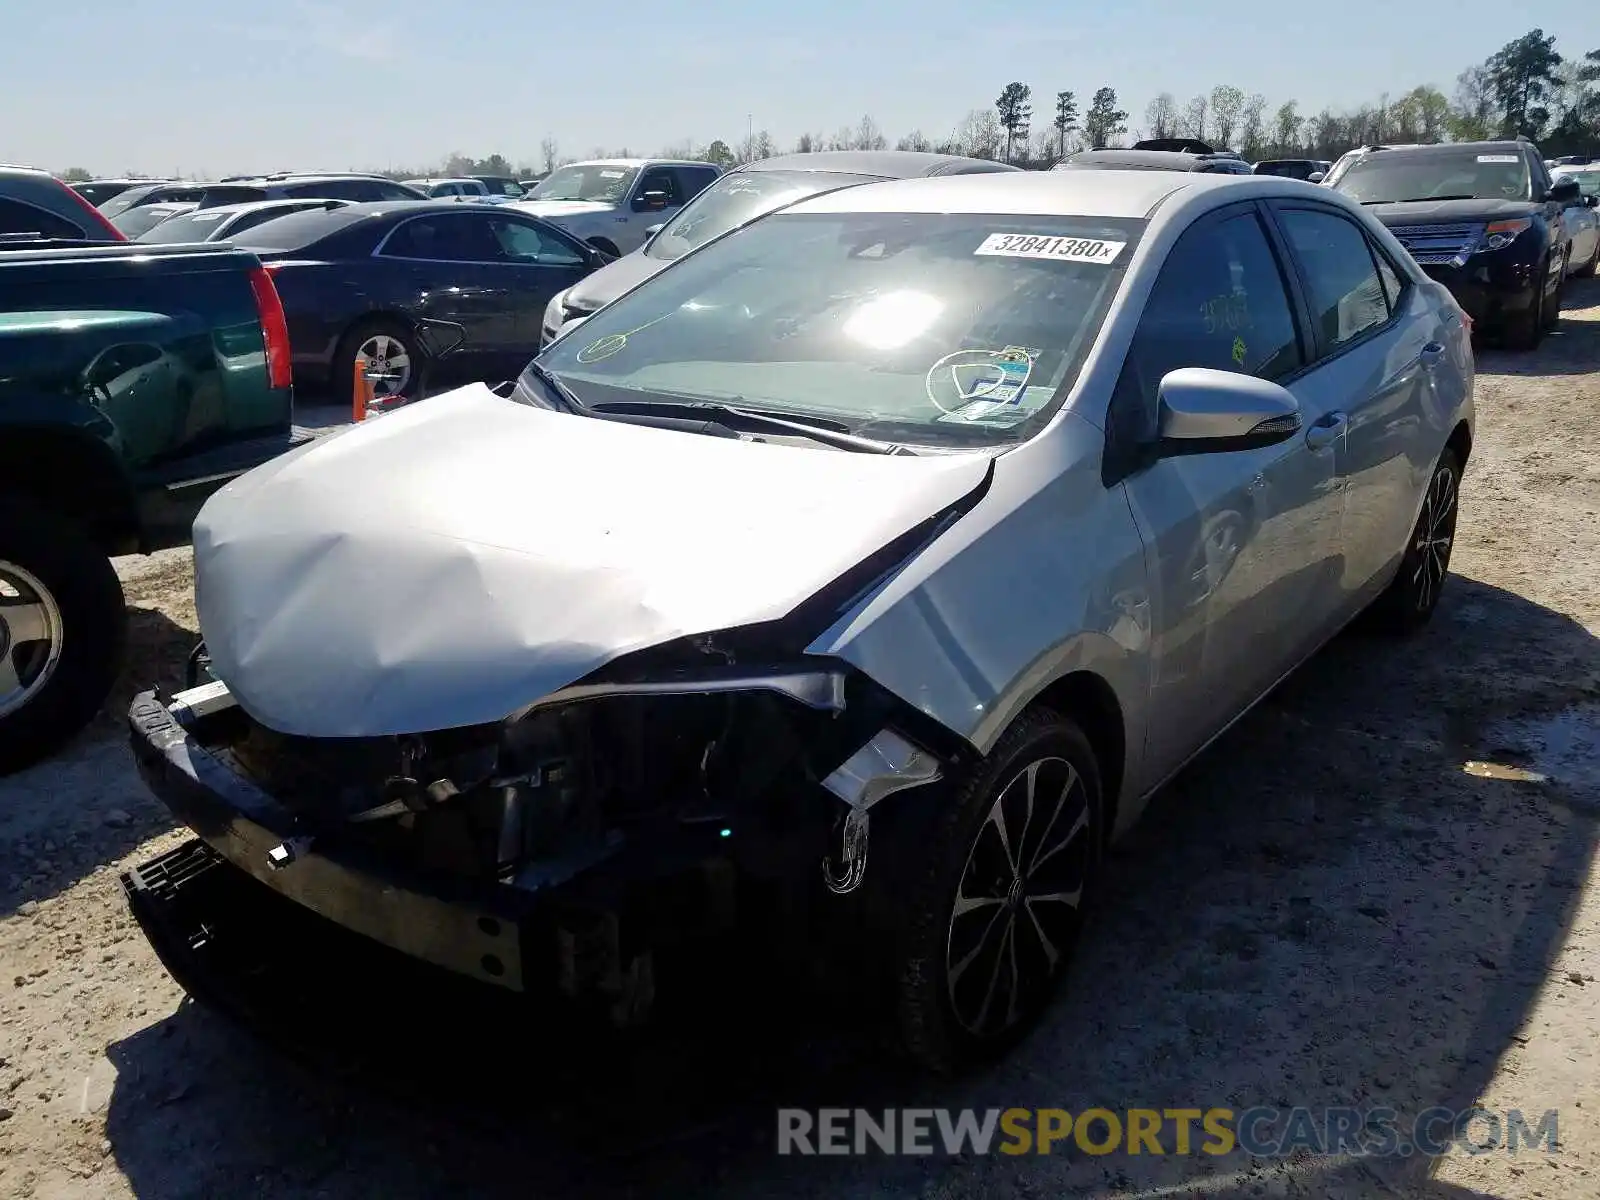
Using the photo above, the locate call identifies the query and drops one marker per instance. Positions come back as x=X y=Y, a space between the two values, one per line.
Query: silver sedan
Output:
x=890 y=552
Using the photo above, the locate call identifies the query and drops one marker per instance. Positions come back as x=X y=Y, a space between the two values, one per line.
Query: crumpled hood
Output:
x=611 y=280
x=1429 y=212
x=454 y=560
x=557 y=209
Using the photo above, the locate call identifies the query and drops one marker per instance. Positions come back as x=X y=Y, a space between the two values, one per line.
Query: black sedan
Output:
x=419 y=292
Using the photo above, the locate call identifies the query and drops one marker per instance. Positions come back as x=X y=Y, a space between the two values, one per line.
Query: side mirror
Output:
x=1590 y=200
x=1565 y=191
x=1315 y=177
x=654 y=229
x=1205 y=411
x=649 y=202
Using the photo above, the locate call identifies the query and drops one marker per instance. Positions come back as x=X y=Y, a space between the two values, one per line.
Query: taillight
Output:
x=274 y=328
x=99 y=217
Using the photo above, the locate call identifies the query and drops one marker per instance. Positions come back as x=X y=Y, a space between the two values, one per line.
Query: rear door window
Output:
x=18 y=219
x=1347 y=296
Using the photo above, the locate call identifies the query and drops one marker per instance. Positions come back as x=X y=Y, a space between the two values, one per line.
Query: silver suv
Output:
x=611 y=203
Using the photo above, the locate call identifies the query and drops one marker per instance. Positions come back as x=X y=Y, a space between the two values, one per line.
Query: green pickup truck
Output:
x=134 y=382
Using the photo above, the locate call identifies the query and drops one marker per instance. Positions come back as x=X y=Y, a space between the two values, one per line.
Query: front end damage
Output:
x=673 y=796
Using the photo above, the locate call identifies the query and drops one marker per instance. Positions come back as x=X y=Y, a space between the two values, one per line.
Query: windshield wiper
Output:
x=826 y=432
x=1422 y=199
x=562 y=392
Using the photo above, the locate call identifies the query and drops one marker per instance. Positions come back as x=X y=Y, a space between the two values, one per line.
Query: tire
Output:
x=381 y=334
x=55 y=582
x=1526 y=330
x=941 y=1022
x=605 y=246
x=1413 y=595
x=1552 y=304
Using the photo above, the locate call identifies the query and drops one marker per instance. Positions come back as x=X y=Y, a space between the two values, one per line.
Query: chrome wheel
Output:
x=1436 y=531
x=30 y=637
x=387 y=362
x=1019 y=900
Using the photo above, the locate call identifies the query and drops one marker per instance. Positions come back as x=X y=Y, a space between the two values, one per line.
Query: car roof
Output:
x=1146 y=160
x=302 y=177
x=638 y=162
x=249 y=206
x=1109 y=193
x=1442 y=149
x=884 y=164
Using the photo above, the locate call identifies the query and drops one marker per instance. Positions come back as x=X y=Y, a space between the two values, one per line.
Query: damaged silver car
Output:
x=865 y=570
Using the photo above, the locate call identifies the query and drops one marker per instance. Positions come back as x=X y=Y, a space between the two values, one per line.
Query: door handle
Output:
x=1325 y=431
x=1432 y=354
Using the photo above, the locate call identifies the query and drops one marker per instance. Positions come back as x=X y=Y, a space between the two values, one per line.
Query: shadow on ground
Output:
x=1325 y=910
x=1570 y=349
x=84 y=807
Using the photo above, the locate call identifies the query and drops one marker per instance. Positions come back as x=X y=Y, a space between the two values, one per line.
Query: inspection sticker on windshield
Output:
x=1051 y=246
x=612 y=174
x=1497 y=158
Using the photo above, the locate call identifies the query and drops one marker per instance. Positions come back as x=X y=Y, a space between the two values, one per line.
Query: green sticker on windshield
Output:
x=1240 y=351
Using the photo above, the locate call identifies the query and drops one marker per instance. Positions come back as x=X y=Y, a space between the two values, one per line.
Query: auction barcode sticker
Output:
x=1497 y=158
x=1051 y=246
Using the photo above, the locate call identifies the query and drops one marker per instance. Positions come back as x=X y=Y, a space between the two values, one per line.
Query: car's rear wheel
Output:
x=1414 y=594
x=988 y=927
x=389 y=351
x=62 y=628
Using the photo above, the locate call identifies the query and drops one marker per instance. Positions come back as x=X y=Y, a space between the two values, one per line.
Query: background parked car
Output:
x=37 y=205
x=739 y=197
x=609 y=203
x=1309 y=169
x=137 y=222
x=444 y=189
x=419 y=291
x=358 y=189
x=228 y=220
x=502 y=185
x=1582 y=225
x=166 y=192
x=1482 y=218
x=98 y=191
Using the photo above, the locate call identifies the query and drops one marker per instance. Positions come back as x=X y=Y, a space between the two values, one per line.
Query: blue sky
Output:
x=168 y=85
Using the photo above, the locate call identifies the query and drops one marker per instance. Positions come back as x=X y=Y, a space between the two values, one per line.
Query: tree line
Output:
x=1525 y=88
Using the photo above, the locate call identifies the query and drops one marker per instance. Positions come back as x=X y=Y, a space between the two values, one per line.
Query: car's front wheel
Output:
x=989 y=926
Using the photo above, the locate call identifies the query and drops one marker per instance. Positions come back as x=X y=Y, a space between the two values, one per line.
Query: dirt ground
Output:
x=1329 y=908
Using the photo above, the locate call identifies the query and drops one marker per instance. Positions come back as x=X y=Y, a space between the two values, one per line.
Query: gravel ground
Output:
x=1329 y=908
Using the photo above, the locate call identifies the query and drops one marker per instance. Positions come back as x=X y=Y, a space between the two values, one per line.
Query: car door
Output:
x=539 y=261
x=454 y=268
x=656 y=197
x=1239 y=544
x=1380 y=348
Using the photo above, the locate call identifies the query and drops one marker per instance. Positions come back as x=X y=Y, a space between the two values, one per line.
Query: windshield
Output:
x=501 y=186
x=1391 y=175
x=137 y=222
x=185 y=227
x=916 y=328
x=738 y=199
x=591 y=181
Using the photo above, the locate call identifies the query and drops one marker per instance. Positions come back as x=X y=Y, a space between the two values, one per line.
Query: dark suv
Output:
x=1160 y=154
x=1483 y=218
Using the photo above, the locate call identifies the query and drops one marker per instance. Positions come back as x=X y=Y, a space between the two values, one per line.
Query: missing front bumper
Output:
x=477 y=932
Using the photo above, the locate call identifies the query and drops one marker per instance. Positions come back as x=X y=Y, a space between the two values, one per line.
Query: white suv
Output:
x=611 y=203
